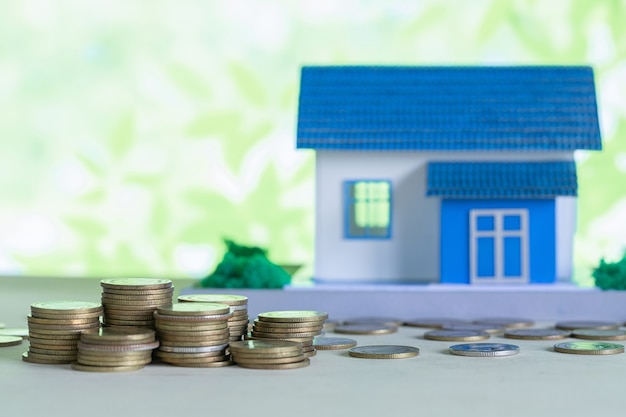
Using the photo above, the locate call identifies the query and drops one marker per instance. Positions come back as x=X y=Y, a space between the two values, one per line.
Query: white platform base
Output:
x=538 y=302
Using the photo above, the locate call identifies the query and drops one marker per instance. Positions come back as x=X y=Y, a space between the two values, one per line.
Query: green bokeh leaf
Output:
x=122 y=137
x=247 y=82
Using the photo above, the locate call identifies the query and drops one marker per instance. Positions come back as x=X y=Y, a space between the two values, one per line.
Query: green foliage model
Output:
x=246 y=267
x=611 y=275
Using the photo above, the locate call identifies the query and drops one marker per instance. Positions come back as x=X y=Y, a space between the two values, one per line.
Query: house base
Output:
x=552 y=302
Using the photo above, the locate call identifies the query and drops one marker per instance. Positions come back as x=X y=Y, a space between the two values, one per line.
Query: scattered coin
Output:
x=369 y=329
x=587 y=324
x=589 y=348
x=506 y=322
x=536 y=334
x=598 y=334
x=10 y=341
x=332 y=343
x=489 y=328
x=384 y=352
x=434 y=323
x=385 y=321
x=15 y=331
x=456 y=335
x=484 y=349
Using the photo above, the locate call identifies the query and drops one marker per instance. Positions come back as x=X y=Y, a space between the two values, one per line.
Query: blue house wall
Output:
x=455 y=239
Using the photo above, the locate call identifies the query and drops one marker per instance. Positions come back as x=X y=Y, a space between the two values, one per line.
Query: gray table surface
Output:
x=536 y=382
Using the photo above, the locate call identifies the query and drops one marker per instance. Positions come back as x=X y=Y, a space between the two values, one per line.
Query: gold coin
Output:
x=65 y=307
x=130 y=317
x=26 y=357
x=79 y=327
x=122 y=362
x=536 y=334
x=190 y=318
x=194 y=309
x=119 y=335
x=56 y=335
x=168 y=339
x=384 y=352
x=219 y=364
x=113 y=322
x=272 y=329
x=265 y=346
x=43 y=356
x=230 y=299
x=171 y=355
x=192 y=334
x=137 y=291
x=10 y=341
x=300 y=340
x=193 y=349
x=190 y=326
x=136 y=283
x=598 y=334
x=191 y=360
x=117 y=348
x=589 y=348
x=53 y=352
x=15 y=331
x=67 y=316
x=291 y=316
x=46 y=346
x=127 y=305
x=105 y=355
x=193 y=344
x=88 y=368
x=456 y=335
x=53 y=342
x=270 y=335
x=61 y=322
x=294 y=365
x=284 y=359
x=333 y=343
x=365 y=329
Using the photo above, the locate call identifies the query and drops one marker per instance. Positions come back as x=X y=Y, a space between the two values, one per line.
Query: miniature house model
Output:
x=446 y=174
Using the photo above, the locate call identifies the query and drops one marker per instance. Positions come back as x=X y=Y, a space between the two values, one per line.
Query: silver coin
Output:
x=489 y=328
x=434 y=322
x=506 y=322
x=333 y=343
x=384 y=352
x=586 y=324
x=536 y=334
x=456 y=335
x=599 y=334
x=484 y=349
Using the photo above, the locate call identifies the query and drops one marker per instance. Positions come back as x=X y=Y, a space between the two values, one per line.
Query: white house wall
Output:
x=565 y=230
x=412 y=253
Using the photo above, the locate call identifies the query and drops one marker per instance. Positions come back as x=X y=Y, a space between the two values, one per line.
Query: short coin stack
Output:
x=268 y=354
x=132 y=301
x=238 y=323
x=194 y=334
x=294 y=326
x=115 y=350
x=54 y=329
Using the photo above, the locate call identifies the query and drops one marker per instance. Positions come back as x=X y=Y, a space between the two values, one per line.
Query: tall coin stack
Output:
x=193 y=334
x=115 y=350
x=268 y=354
x=54 y=329
x=295 y=326
x=238 y=323
x=132 y=301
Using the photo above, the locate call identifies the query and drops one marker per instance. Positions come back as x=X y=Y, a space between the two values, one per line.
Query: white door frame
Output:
x=498 y=234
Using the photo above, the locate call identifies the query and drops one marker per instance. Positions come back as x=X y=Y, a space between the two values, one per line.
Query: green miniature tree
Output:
x=246 y=267
x=611 y=276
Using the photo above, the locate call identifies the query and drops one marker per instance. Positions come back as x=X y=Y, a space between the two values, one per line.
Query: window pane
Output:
x=512 y=222
x=485 y=223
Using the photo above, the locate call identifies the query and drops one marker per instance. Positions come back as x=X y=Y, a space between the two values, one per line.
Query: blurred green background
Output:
x=135 y=135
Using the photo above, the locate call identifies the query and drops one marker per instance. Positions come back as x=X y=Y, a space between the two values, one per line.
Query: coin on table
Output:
x=484 y=349
x=536 y=334
x=599 y=334
x=15 y=331
x=89 y=368
x=489 y=328
x=456 y=335
x=506 y=322
x=365 y=329
x=293 y=316
x=384 y=352
x=587 y=324
x=230 y=299
x=385 y=321
x=589 y=348
x=434 y=323
x=10 y=341
x=293 y=365
x=49 y=360
x=333 y=343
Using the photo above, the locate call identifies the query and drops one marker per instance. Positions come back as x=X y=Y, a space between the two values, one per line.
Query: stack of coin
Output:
x=268 y=354
x=193 y=334
x=295 y=326
x=115 y=350
x=132 y=301
x=238 y=323
x=54 y=329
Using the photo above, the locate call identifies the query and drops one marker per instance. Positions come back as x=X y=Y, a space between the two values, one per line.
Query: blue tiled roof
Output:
x=504 y=180
x=448 y=108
